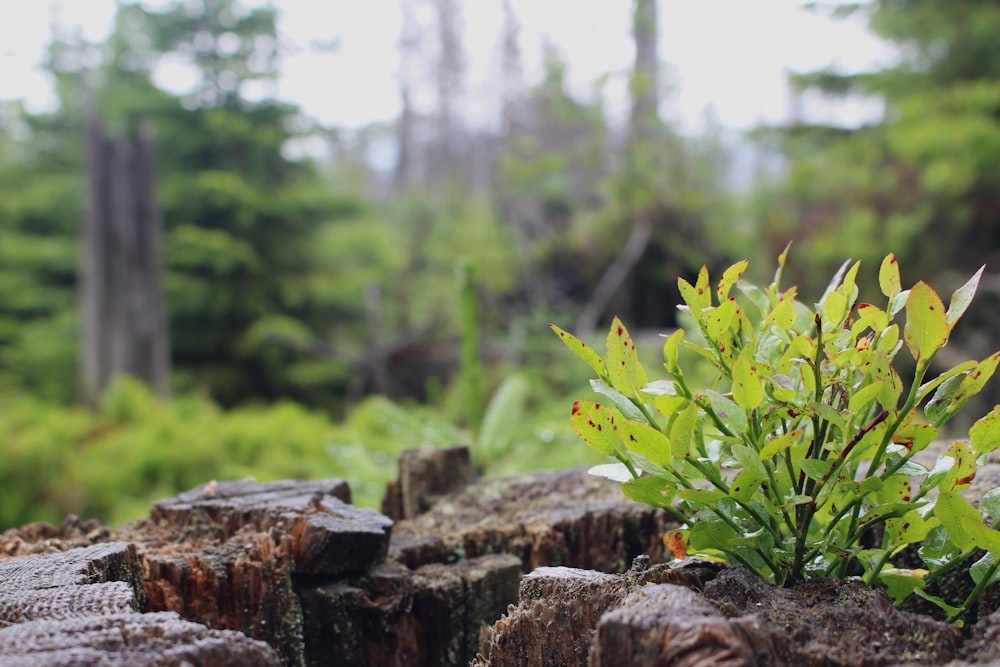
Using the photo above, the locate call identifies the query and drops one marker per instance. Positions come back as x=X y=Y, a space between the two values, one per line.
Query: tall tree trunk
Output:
x=124 y=327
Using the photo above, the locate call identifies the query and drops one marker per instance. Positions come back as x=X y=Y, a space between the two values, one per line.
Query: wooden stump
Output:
x=292 y=564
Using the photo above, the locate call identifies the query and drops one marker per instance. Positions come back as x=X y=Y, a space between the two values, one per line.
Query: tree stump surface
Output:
x=322 y=582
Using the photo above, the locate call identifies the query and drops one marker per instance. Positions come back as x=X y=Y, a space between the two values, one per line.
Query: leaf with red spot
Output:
x=963 y=471
x=581 y=349
x=926 y=329
x=888 y=276
x=645 y=440
x=748 y=390
x=908 y=529
x=974 y=382
x=718 y=319
x=624 y=370
x=895 y=489
x=729 y=278
x=676 y=542
x=698 y=297
x=597 y=425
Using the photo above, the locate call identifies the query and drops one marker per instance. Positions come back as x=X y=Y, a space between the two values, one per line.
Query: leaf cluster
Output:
x=803 y=457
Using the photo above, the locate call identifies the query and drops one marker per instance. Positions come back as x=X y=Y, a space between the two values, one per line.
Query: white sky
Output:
x=732 y=55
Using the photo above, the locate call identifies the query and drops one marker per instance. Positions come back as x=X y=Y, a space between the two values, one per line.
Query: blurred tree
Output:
x=924 y=181
x=246 y=252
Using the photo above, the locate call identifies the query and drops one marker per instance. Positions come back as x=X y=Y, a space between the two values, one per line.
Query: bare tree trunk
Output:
x=124 y=327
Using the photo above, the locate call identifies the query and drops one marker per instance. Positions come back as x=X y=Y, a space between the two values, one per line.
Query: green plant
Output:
x=802 y=460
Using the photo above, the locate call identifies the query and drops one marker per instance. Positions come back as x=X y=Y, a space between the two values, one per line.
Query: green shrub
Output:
x=808 y=438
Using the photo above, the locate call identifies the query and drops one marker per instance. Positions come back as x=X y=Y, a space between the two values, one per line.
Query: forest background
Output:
x=325 y=314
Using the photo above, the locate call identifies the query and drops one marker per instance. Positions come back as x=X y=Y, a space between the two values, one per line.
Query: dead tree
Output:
x=123 y=312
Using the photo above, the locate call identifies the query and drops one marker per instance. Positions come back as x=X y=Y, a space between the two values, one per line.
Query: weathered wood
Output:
x=564 y=517
x=424 y=474
x=230 y=549
x=123 y=316
x=129 y=640
x=105 y=578
x=394 y=616
x=563 y=597
x=328 y=535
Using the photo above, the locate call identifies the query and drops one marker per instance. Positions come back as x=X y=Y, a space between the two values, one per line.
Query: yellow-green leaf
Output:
x=926 y=329
x=624 y=370
x=973 y=383
x=962 y=297
x=718 y=319
x=597 y=425
x=748 y=391
x=645 y=440
x=888 y=276
x=683 y=431
x=864 y=396
x=985 y=433
x=780 y=444
x=581 y=349
x=671 y=349
x=729 y=278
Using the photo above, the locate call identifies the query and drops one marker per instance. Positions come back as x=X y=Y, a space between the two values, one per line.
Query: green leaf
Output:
x=711 y=534
x=985 y=433
x=698 y=297
x=900 y=583
x=985 y=566
x=729 y=278
x=937 y=549
x=645 y=440
x=745 y=484
x=749 y=459
x=651 y=491
x=835 y=309
x=728 y=411
x=597 y=425
x=815 y=468
x=704 y=497
x=888 y=276
x=718 y=319
x=961 y=474
x=683 y=431
x=974 y=382
x=671 y=349
x=950 y=508
x=621 y=401
x=864 y=397
x=581 y=349
x=780 y=444
x=990 y=503
x=926 y=329
x=624 y=370
x=962 y=297
x=748 y=391
x=907 y=529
